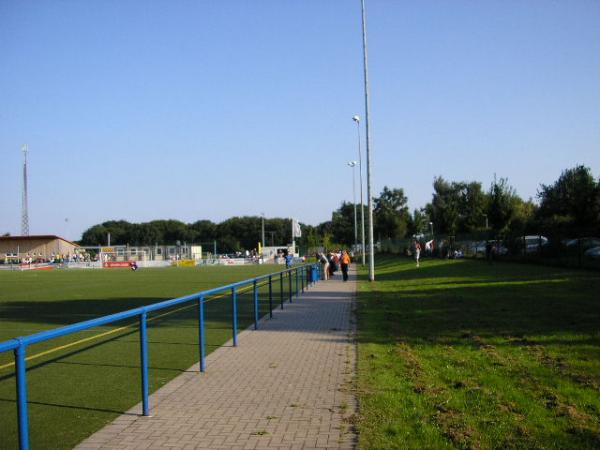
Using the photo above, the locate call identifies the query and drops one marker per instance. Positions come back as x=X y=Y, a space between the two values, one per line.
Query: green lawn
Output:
x=75 y=391
x=463 y=354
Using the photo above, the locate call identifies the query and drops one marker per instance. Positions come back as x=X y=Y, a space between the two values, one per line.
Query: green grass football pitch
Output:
x=80 y=382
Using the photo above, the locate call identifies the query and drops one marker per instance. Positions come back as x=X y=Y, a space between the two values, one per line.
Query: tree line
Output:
x=568 y=207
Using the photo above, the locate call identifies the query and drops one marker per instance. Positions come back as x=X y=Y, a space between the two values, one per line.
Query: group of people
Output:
x=445 y=250
x=332 y=261
x=33 y=258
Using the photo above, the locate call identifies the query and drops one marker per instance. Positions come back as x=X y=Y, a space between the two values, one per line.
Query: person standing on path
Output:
x=324 y=265
x=345 y=262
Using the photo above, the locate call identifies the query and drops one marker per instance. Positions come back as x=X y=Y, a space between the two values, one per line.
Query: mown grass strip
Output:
x=463 y=354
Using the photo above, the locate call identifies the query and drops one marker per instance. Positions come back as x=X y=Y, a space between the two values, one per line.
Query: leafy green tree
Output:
x=245 y=230
x=95 y=235
x=524 y=218
x=98 y=234
x=342 y=224
x=502 y=206
x=281 y=230
x=572 y=202
x=444 y=209
x=203 y=231
x=419 y=222
x=390 y=214
x=472 y=206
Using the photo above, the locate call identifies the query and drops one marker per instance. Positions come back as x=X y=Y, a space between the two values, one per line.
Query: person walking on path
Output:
x=324 y=265
x=345 y=262
x=417 y=252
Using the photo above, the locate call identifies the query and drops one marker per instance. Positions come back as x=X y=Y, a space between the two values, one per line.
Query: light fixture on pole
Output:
x=431 y=225
x=353 y=165
x=368 y=130
x=362 y=208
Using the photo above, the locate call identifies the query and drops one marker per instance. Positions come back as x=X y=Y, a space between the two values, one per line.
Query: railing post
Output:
x=201 y=337
x=297 y=280
x=270 y=297
x=302 y=275
x=234 y=314
x=290 y=284
x=281 y=289
x=23 y=415
x=144 y=362
x=255 y=292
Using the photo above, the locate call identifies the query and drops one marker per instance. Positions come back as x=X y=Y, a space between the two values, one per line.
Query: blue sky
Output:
x=204 y=110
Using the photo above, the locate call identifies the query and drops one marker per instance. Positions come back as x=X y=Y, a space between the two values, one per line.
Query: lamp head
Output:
x=352 y=163
x=356 y=119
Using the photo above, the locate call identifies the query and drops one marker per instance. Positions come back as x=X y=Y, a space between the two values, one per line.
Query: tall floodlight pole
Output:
x=353 y=165
x=368 y=130
x=262 y=241
x=24 y=211
x=362 y=207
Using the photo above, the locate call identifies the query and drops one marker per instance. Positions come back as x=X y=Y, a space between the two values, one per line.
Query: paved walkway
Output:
x=285 y=386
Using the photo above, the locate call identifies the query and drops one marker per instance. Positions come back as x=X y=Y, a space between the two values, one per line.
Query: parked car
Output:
x=534 y=243
x=586 y=242
x=479 y=247
x=593 y=252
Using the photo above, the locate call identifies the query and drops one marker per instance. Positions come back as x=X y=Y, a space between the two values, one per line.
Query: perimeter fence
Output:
x=113 y=349
x=550 y=249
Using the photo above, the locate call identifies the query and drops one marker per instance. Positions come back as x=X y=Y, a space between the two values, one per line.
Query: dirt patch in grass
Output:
x=454 y=428
x=413 y=369
x=561 y=366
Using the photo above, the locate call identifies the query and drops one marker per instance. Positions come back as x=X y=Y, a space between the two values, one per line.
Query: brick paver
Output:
x=285 y=386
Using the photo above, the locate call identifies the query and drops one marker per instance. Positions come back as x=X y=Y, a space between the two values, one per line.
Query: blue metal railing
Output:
x=309 y=272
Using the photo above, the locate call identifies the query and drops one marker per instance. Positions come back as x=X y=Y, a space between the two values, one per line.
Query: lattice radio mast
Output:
x=24 y=212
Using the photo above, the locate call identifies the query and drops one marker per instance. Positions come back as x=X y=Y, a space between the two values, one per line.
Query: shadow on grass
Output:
x=447 y=300
x=80 y=408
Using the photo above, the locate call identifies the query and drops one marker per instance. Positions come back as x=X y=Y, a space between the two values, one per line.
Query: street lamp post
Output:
x=362 y=208
x=368 y=131
x=431 y=225
x=353 y=165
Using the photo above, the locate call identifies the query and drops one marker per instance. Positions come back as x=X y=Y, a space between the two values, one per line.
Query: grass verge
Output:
x=463 y=354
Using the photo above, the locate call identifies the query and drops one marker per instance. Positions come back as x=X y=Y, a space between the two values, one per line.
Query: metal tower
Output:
x=24 y=212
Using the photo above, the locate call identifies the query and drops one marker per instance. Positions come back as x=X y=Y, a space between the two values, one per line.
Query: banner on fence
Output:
x=115 y=264
x=184 y=263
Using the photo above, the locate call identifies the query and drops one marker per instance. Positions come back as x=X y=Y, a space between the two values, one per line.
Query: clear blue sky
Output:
x=194 y=110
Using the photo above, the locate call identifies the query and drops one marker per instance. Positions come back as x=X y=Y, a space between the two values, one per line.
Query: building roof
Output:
x=48 y=237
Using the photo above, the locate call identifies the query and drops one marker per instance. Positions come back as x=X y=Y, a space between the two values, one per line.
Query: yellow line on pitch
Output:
x=116 y=330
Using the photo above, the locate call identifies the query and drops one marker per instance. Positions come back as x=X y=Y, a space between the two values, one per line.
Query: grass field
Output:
x=463 y=354
x=76 y=389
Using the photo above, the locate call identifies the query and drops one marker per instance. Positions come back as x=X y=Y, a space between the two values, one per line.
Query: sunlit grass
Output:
x=462 y=354
x=76 y=390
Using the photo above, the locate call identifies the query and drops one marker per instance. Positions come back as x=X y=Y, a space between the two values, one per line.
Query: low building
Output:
x=14 y=249
x=147 y=253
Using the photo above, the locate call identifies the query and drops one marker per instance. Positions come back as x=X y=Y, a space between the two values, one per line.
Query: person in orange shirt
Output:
x=345 y=262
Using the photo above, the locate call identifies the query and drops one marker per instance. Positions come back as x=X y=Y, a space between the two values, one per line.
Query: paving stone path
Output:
x=285 y=386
